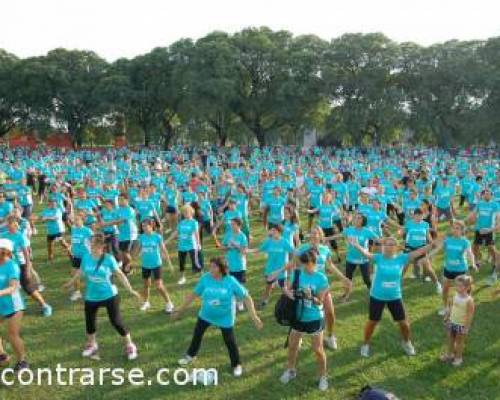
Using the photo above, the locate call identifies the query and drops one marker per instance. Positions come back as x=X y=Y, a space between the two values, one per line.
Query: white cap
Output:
x=6 y=244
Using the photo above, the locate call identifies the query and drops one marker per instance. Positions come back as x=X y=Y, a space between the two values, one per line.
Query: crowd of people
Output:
x=326 y=213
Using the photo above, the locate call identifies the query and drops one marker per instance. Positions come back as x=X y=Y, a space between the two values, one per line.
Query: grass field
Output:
x=59 y=339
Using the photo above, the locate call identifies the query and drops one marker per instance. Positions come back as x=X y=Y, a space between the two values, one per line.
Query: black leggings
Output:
x=229 y=339
x=112 y=307
x=196 y=260
x=365 y=272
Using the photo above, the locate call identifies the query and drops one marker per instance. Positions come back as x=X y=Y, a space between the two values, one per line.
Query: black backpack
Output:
x=285 y=310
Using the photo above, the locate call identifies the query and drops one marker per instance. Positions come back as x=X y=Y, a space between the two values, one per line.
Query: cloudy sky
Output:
x=116 y=28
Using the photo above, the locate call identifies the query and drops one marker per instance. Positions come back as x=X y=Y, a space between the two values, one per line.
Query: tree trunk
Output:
x=259 y=133
x=168 y=133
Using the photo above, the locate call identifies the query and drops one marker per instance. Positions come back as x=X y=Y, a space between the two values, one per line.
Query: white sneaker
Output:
x=181 y=281
x=287 y=376
x=442 y=312
x=427 y=279
x=412 y=276
x=439 y=288
x=237 y=371
x=41 y=288
x=365 y=350
x=241 y=306
x=331 y=342
x=169 y=308
x=35 y=231
x=131 y=351
x=75 y=296
x=146 y=306
x=408 y=348
x=120 y=264
x=90 y=350
x=186 y=360
x=323 y=383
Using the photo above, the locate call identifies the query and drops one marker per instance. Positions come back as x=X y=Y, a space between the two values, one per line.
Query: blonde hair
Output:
x=461 y=224
x=186 y=208
x=466 y=281
x=318 y=229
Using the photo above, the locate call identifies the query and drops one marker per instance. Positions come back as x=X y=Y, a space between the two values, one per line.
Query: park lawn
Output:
x=161 y=342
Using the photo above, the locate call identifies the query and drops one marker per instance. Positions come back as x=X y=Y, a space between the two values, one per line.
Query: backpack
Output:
x=285 y=310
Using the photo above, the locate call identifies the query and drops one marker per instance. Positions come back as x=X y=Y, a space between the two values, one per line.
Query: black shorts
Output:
x=54 y=237
x=281 y=282
x=409 y=249
x=171 y=210
x=484 y=239
x=396 y=308
x=27 y=211
x=11 y=314
x=451 y=275
x=148 y=272
x=309 y=327
x=76 y=262
x=444 y=211
x=240 y=276
x=65 y=217
x=126 y=245
x=338 y=223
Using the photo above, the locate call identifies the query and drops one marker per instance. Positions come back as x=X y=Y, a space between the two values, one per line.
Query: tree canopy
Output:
x=265 y=87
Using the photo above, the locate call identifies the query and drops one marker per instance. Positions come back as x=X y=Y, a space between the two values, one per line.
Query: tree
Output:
x=359 y=75
x=11 y=107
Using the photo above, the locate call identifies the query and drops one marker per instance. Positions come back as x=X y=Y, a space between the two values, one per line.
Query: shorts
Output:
x=126 y=245
x=444 y=211
x=171 y=210
x=207 y=226
x=281 y=282
x=456 y=329
x=148 y=272
x=483 y=239
x=409 y=249
x=11 y=314
x=351 y=207
x=396 y=308
x=65 y=217
x=54 y=238
x=27 y=211
x=451 y=275
x=76 y=262
x=312 y=328
x=240 y=276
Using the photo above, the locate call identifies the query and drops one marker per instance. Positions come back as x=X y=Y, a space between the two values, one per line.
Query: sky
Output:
x=126 y=28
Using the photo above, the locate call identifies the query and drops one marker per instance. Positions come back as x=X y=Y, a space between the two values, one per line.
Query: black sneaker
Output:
x=21 y=365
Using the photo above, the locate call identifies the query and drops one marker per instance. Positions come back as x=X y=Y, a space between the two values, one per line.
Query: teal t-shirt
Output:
x=98 y=284
x=324 y=253
x=55 y=225
x=316 y=282
x=277 y=255
x=186 y=232
x=454 y=254
x=236 y=260
x=12 y=303
x=151 y=250
x=80 y=241
x=363 y=236
x=218 y=299
x=127 y=229
x=416 y=233
x=486 y=212
x=387 y=278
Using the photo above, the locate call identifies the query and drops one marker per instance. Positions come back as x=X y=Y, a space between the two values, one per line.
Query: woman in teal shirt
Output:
x=152 y=248
x=386 y=289
x=457 y=249
x=312 y=290
x=11 y=305
x=97 y=269
x=218 y=292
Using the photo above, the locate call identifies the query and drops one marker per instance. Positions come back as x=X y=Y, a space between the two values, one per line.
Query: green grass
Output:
x=160 y=341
